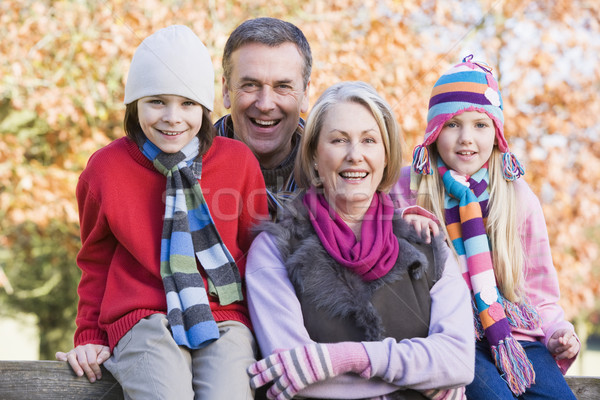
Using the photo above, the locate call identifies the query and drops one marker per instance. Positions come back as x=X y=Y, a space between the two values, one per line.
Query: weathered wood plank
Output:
x=53 y=380
x=585 y=387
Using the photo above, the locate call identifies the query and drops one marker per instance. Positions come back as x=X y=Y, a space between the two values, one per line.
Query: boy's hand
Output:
x=86 y=359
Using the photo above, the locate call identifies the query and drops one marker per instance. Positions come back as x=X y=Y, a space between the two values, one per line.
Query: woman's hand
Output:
x=295 y=369
x=86 y=359
x=563 y=344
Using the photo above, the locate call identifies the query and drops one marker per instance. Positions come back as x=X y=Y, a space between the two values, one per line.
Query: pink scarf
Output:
x=377 y=251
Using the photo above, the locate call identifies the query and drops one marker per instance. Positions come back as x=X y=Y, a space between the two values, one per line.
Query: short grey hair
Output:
x=270 y=32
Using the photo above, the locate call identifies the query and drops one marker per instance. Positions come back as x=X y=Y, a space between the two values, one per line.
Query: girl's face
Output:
x=350 y=156
x=169 y=121
x=466 y=142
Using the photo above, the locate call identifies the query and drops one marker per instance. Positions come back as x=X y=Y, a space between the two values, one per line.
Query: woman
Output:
x=342 y=269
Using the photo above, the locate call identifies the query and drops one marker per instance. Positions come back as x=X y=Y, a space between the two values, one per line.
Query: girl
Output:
x=465 y=174
x=165 y=218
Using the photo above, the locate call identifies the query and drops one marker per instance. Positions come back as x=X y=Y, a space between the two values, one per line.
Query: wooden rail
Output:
x=54 y=380
x=585 y=387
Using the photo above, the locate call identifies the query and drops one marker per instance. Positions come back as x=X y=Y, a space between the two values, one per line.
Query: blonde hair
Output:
x=354 y=92
x=501 y=224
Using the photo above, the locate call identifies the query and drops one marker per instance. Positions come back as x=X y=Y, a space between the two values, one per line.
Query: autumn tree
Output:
x=63 y=66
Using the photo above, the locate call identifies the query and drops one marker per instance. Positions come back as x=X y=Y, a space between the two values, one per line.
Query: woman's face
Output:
x=169 y=121
x=350 y=156
x=466 y=142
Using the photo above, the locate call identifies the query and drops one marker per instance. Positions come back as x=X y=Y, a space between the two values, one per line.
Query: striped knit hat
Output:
x=468 y=86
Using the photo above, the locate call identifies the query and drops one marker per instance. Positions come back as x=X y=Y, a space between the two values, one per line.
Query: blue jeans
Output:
x=489 y=385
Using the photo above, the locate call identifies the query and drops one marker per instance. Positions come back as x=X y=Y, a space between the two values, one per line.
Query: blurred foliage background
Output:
x=63 y=65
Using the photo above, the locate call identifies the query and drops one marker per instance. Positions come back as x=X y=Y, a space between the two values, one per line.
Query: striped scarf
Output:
x=189 y=233
x=465 y=205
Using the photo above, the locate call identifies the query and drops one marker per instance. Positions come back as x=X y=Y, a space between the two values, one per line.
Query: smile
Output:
x=466 y=153
x=264 y=123
x=171 y=133
x=354 y=175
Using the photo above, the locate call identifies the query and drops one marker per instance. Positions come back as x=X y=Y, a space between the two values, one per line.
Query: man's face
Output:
x=266 y=95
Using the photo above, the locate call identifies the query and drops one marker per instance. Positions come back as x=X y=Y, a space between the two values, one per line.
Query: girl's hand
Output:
x=563 y=344
x=86 y=359
x=426 y=227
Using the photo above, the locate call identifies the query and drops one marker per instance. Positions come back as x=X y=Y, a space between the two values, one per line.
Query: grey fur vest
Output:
x=337 y=305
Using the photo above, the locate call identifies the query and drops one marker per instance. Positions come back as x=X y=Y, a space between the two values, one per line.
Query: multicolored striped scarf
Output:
x=188 y=233
x=465 y=205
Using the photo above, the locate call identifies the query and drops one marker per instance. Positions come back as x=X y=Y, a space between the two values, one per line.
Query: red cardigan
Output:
x=121 y=207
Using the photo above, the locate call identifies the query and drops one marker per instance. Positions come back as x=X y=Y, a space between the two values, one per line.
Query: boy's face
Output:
x=169 y=121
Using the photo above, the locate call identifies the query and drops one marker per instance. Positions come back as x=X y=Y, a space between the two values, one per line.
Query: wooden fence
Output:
x=54 y=380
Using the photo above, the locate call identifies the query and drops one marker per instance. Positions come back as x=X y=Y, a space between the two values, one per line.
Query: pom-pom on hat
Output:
x=174 y=61
x=468 y=86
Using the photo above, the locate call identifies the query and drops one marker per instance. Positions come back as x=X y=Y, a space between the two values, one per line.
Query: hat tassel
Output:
x=511 y=167
x=420 y=161
x=511 y=360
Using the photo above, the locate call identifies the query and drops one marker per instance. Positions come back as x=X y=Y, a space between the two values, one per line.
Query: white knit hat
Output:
x=173 y=61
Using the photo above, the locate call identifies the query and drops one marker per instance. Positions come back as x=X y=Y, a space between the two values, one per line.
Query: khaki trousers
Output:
x=150 y=365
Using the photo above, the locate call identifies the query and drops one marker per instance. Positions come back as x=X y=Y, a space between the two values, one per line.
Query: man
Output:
x=266 y=66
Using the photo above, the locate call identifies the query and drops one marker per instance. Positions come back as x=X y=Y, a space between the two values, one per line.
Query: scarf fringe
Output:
x=521 y=315
x=511 y=167
x=420 y=161
x=511 y=360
